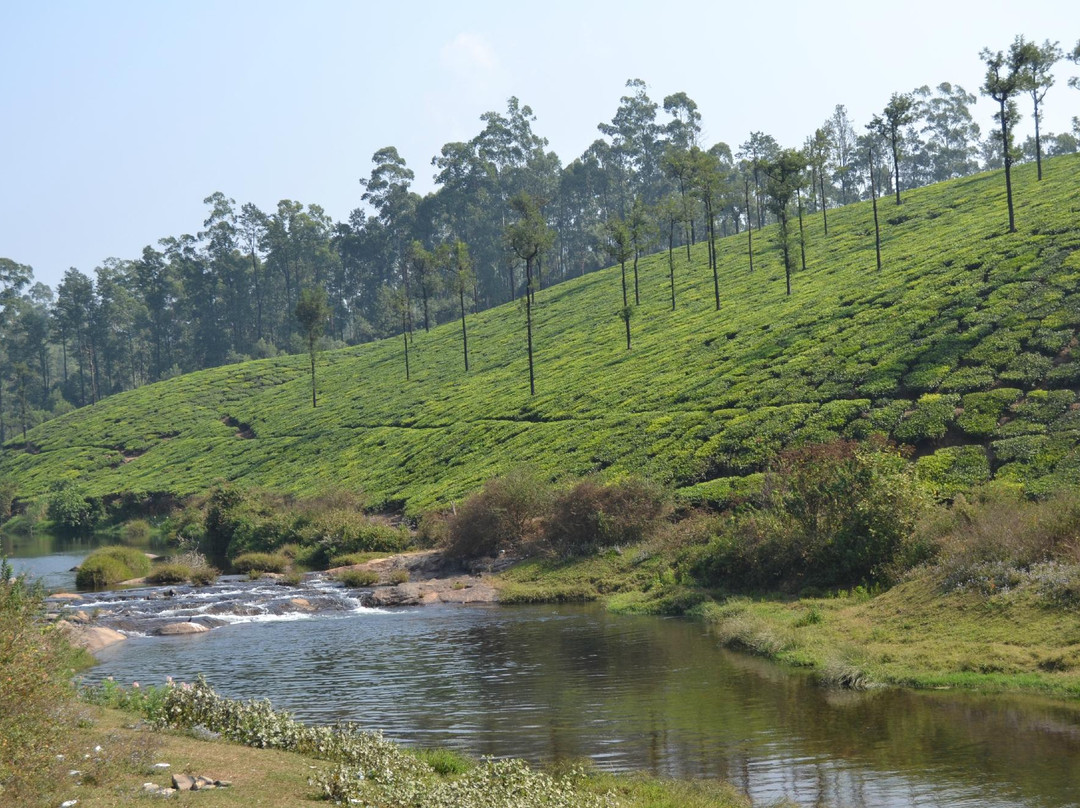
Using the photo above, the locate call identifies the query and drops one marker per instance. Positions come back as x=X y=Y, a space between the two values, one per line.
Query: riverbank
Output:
x=926 y=632
x=125 y=761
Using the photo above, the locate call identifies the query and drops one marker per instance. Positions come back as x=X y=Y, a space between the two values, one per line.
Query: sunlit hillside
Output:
x=962 y=345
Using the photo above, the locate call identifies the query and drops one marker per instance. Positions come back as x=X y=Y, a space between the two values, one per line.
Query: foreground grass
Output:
x=962 y=345
x=269 y=778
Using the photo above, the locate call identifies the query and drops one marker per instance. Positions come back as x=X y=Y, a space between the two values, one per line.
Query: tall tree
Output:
x=312 y=313
x=640 y=226
x=784 y=175
x=899 y=112
x=817 y=154
x=843 y=142
x=527 y=238
x=670 y=212
x=873 y=200
x=620 y=247
x=952 y=136
x=707 y=183
x=462 y=280
x=1002 y=82
x=1036 y=64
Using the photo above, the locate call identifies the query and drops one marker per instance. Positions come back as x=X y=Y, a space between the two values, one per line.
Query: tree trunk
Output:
x=873 y=197
x=785 y=243
x=464 y=333
x=311 y=351
x=824 y=214
x=637 y=296
x=671 y=260
x=1007 y=154
x=405 y=339
x=528 y=323
x=802 y=232
x=896 y=169
x=1038 y=146
x=749 y=228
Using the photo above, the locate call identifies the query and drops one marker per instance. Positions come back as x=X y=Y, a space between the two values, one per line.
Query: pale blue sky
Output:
x=118 y=118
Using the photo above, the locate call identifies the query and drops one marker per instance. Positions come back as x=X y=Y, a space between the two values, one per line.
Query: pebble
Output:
x=69 y=803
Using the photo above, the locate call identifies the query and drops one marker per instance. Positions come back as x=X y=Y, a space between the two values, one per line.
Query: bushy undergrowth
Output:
x=502 y=516
x=35 y=669
x=356 y=579
x=239 y=523
x=367 y=768
x=832 y=515
x=111 y=565
x=260 y=562
x=169 y=573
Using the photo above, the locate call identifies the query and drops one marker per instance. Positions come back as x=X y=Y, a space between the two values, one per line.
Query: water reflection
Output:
x=632 y=693
x=51 y=558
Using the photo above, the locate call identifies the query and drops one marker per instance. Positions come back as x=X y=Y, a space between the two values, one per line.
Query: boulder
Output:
x=65 y=596
x=303 y=604
x=176 y=629
x=183 y=782
x=92 y=638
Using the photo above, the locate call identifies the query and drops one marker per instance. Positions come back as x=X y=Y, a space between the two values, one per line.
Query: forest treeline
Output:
x=403 y=261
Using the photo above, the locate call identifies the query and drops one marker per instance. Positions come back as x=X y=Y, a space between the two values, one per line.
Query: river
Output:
x=630 y=693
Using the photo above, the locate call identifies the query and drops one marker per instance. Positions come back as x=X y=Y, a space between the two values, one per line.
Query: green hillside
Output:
x=961 y=346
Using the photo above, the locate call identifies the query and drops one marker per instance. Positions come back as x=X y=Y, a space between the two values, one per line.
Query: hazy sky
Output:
x=118 y=118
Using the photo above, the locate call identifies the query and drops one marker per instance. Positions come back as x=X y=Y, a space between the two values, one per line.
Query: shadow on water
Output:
x=631 y=693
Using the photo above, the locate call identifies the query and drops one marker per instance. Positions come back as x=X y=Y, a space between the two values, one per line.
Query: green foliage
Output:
x=111 y=565
x=399 y=577
x=72 y=511
x=260 y=562
x=591 y=514
x=7 y=497
x=137 y=531
x=356 y=579
x=833 y=515
x=502 y=516
x=959 y=309
x=169 y=574
x=954 y=469
x=35 y=670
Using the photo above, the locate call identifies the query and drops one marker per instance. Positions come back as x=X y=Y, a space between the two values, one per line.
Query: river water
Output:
x=629 y=693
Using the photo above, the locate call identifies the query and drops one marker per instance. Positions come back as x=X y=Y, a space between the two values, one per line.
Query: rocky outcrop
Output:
x=92 y=638
x=461 y=589
x=176 y=629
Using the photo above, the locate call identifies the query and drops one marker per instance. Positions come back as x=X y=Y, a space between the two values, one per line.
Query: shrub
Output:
x=111 y=565
x=260 y=562
x=503 y=515
x=833 y=514
x=34 y=691
x=137 y=531
x=399 y=577
x=356 y=579
x=204 y=576
x=592 y=514
x=352 y=559
x=72 y=511
x=169 y=574
x=292 y=578
x=7 y=497
x=433 y=530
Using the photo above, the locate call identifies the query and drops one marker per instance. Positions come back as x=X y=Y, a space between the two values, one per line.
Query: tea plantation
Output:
x=964 y=346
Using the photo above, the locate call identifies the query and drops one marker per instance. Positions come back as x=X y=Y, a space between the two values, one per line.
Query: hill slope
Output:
x=963 y=345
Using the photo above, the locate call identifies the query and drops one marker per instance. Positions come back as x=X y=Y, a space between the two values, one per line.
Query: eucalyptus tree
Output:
x=640 y=225
x=251 y=230
x=1036 y=77
x=707 y=181
x=637 y=142
x=670 y=212
x=14 y=277
x=75 y=305
x=818 y=148
x=462 y=280
x=387 y=191
x=952 y=135
x=527 y=237
x=843 y=143
x=678 y=166
x=311 y=313
x=684 y=128
x=757 y=151
x=1002 y=83
x=899 y=112
x=873 y=200
x=619 y=248
x=422 y=262
x=784 y=175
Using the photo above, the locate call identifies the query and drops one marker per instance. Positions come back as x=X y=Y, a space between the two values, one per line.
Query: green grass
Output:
x=915 y=635
x=963 y=345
